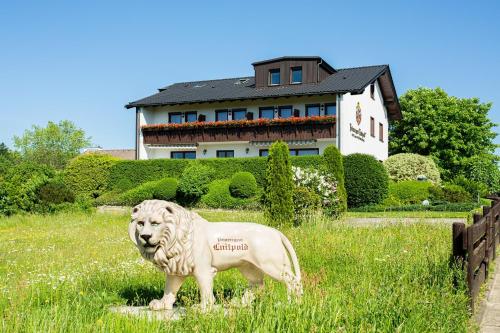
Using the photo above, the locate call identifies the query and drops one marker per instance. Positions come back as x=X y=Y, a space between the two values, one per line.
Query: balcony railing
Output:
x=295 y=128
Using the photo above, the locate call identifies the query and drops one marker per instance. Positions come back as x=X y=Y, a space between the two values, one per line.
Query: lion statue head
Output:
x=163 y=233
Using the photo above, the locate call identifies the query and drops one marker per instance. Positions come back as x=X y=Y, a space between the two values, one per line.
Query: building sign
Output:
x=358 y=113
x=357 y=133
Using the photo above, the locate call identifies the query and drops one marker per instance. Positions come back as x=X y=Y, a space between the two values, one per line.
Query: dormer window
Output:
x=274 y=77
x=296 y=75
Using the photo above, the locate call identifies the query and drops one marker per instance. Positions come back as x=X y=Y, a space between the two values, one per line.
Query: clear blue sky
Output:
x=84 y=60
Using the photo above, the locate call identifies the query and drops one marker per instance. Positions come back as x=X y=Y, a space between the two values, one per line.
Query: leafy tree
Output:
x=447 y=128
x=53 y=145
x=279 y=186
x=4 y=150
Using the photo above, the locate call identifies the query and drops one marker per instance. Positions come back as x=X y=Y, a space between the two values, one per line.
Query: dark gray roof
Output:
x=352 y=80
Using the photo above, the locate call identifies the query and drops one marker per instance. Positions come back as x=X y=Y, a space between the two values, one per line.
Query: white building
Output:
x=300 y=100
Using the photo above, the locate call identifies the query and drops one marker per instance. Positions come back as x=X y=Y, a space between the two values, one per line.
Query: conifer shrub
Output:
x=335 y=166
x=279 y=186
x=366 y=180
x=243 y=185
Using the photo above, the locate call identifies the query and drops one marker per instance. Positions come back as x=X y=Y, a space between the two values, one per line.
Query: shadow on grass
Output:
x=136 y=295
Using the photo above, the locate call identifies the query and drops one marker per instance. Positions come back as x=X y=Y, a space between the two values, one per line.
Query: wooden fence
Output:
x=475 y=246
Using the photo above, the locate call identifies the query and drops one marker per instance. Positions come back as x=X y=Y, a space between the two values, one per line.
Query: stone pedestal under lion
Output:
x=181 y=243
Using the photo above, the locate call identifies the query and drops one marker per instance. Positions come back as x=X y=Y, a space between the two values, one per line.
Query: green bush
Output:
x=475 y=189
x=279 y=186
x=306 y=204
x=243 y=185
x=87 y=175
x=366 y=180
x=135 y=173
x=410 y=166
x=163 y=189
x=449 y=193
x=219 y=196
x=335 y=166
x=55 y=192
x=21 y=186
x=194 y=181
x=409 y=191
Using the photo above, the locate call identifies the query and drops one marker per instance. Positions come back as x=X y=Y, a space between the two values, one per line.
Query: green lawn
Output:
x=62 y=273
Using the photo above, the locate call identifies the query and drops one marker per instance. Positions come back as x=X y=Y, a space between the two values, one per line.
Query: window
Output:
x=330 y=109
x=296 y=75
x=372 y=90
x=312 y=110
x=304 y=151
x=221 y=115
x=381 y=132
x=274 y=77
x=372 y=127
x=264 y=152
x=285 y=111
x=266 y=112
x=191 y=116
x=225 y=153
x=239 y=114
x=175 y=117
x=183 y=154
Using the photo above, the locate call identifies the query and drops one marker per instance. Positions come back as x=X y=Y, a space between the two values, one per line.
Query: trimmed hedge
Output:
x=163 y=189
x=218 y=196
x=445 y=207
x=130 y=174
x=88 y=175
x=410 y=191
x=243 y=185
x=366 y=180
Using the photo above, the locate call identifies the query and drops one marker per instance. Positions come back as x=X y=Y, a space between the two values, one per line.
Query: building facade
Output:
x=300 y=100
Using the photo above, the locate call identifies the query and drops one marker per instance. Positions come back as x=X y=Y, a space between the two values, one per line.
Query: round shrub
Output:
x=165 y=189
x=410 y=191
x=366 y=180
x=305 y=204
x=279 y=186
x=243 y=185
x=455 y=193
x=410 y=166
x=219 y=196
x=194 y=180
x=87 y=175
x=55 y=192
x=138 y=194
x=335 y=166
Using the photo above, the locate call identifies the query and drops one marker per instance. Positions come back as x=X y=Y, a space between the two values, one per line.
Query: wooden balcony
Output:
x=242 y=130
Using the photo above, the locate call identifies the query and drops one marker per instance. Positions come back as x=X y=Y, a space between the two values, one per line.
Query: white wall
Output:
x=369 y=108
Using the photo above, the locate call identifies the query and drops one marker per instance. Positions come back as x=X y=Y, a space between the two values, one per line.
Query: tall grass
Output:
x=62 y=273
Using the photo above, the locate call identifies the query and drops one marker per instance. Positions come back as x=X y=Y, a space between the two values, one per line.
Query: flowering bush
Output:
x=242 y=123
x=322 y=183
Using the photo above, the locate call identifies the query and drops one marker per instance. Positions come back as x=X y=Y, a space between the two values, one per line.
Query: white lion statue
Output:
x=181 y=243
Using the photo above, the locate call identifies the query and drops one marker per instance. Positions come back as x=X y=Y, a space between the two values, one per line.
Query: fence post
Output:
x=458 y=236
x=476 y=217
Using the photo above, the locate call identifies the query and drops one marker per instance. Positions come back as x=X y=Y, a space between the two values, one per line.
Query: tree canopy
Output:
x=4 y=150
x=53 y=145
x=449 y=129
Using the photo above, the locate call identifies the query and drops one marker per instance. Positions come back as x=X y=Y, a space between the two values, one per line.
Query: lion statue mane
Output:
x=181 y=243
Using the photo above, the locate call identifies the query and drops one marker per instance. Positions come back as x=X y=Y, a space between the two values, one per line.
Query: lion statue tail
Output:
x=293 y=256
